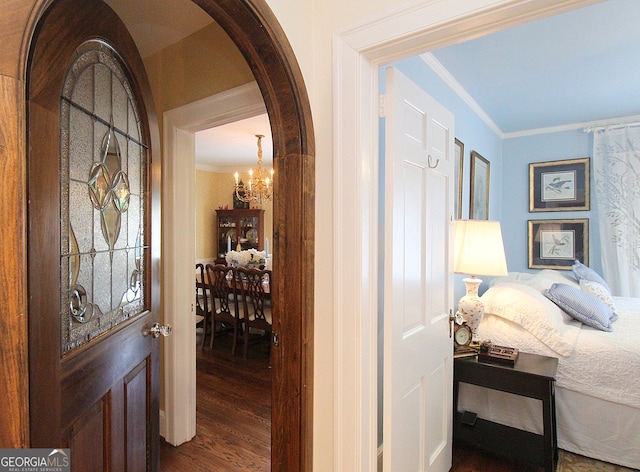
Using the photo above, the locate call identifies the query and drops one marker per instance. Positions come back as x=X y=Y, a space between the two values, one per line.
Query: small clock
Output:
x=462 y=334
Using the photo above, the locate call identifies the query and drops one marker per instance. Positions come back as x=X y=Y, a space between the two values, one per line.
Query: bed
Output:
x=598 y=379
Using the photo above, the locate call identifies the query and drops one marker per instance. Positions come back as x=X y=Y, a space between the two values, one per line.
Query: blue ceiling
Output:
x=577 y=67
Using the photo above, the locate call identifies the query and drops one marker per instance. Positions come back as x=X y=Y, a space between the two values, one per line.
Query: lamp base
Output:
x=471 y=307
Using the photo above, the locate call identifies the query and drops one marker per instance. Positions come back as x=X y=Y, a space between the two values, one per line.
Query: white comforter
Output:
x=602 y=364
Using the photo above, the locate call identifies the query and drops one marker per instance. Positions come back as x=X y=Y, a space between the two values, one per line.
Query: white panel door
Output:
x=418 y=369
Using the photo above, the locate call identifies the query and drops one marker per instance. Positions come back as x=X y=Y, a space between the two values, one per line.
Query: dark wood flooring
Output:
x=233 y=419
x=233 y=413
x=468 y=459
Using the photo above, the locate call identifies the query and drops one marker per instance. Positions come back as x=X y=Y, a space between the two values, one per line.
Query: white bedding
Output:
x=597 y=363
x=598 y=375
x=602 y=364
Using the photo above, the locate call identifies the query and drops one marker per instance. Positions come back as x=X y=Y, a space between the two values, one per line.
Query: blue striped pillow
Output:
x=581 y=306
x=582 y=272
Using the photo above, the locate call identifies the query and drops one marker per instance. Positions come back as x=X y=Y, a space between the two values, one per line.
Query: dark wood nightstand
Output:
x=532 y=376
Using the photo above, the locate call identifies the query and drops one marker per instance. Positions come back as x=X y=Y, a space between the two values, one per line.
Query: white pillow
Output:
x=540 y=280
x=544 y=279
x=512 y=277
x=581 y=272
x=599 y=291
x=529 y=308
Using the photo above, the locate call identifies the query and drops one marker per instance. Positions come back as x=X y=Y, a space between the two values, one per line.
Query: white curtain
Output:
x=616 y=160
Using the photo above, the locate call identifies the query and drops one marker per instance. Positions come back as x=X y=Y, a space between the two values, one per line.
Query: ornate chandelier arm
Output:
x=259 y=187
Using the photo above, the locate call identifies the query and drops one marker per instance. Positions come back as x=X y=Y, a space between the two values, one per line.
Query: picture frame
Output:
x=479 y=192
x=560 y=185
x=558 y=243
x=459 y=164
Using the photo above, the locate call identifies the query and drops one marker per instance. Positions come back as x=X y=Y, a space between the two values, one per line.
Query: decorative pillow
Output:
x=581 y=306
x=600 y=292
x=582 y=272
x=527 y=307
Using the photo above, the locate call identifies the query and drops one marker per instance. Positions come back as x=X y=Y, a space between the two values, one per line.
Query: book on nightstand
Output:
x=464 y=351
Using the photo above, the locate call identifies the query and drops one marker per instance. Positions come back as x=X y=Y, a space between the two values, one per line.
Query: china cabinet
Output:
x=239 y=227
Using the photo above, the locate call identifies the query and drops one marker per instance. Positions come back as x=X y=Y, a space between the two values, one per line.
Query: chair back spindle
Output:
x=225 y=310
x=255 y=286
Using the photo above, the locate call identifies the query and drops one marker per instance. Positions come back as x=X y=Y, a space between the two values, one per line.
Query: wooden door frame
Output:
x=258 y=35
x=254 y=29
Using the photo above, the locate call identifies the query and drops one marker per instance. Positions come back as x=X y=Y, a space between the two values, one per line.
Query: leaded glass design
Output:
x=103 y=197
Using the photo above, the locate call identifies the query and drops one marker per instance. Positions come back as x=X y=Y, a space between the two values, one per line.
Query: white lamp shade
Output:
x=478 y=248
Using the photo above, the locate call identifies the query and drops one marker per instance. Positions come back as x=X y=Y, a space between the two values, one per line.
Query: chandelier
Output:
x=259 y=187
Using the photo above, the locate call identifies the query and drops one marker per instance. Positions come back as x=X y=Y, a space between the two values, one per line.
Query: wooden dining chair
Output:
x=255 y=286
x=203 y=312
x=224 y=295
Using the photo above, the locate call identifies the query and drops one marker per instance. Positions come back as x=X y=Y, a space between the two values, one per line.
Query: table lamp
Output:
x=478 y=250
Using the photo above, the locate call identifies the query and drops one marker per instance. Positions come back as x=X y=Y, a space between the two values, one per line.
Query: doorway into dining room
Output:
x=206 y=372
x=233 y=393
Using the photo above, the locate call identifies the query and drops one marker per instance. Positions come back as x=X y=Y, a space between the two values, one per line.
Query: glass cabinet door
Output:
x=249 y=232
x=239 y=230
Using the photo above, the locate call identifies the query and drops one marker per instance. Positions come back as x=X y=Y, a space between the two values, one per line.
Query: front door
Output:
x=93 y=276
x=418 y=375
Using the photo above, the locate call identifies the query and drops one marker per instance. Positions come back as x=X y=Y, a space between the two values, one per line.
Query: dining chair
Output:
x=203 y=313
x=224 y=296
x=255 y=286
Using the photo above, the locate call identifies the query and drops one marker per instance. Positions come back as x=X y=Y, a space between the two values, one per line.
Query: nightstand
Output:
x=532 y=376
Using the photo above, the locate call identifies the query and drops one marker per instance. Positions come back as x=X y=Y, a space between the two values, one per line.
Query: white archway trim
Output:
x=358 y=52
x=178 y=418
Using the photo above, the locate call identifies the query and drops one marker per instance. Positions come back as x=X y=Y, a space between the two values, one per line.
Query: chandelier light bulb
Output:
x=258 y=188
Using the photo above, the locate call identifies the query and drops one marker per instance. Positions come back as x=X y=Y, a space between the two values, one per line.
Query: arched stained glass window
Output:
x=103 y=197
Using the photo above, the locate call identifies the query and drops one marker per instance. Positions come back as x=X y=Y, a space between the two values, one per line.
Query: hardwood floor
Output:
x=468 y=459
x=233 y=417
x=233 y=413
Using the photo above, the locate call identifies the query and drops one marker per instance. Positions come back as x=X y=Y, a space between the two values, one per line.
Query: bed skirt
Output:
x=586 y=425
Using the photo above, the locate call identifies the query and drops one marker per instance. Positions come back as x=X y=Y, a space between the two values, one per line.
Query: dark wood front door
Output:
x=93 y=266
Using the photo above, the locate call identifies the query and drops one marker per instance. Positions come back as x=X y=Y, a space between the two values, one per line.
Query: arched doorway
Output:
x=257 y=34
x=254 y=29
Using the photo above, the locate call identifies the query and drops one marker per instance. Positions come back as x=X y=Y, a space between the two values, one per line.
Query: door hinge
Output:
x=381 y=106
x=276 y=339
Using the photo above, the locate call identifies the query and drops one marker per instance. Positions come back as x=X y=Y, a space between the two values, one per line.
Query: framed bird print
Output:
x=556 y=244
x=479 y=190
x=559 y=185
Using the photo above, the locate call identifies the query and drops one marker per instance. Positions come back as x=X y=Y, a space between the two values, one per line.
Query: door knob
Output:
x=157 y=330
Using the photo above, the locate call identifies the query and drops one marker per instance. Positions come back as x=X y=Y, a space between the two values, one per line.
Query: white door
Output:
x=418 y=369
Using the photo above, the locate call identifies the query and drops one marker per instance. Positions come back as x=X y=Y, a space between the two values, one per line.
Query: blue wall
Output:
x=470 y=129
x=509 y=184
x=510 y=159
x=518 y=153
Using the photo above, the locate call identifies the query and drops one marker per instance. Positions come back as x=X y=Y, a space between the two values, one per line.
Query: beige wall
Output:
x=203 y=64
x=211 y=193
x=214 y=190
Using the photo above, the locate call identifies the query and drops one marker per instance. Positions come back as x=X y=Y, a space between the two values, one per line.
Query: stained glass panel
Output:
x=103 y=182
